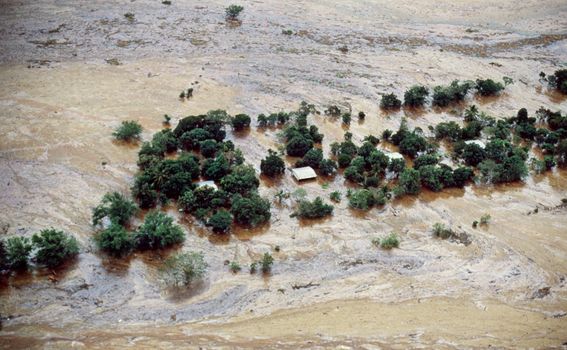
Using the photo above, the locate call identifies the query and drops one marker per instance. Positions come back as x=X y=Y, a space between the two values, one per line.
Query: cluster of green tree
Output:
x=157 y=231
x=443 y=96
x=556 y=81
x=204 y=153
x=49 y=248
x=273 y=119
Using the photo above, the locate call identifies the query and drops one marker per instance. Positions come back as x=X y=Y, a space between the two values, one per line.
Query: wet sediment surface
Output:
x=60 y=100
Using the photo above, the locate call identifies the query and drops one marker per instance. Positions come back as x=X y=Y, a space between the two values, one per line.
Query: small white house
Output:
x=304 y=173
x=208 y=184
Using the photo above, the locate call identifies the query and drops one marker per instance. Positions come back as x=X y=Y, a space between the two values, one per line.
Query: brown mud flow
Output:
x=71 y=71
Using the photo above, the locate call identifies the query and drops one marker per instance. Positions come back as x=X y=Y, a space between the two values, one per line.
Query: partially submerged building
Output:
x=304 y=173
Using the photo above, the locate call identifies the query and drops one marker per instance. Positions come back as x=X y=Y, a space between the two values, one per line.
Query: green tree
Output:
x=313 y=210
x=116 y=206
x=327 y=167
x=488 y=87
x=220 y=221
x=53 y=247
x=250 y=211
x=273 y=165
x=17 y=250
x=233 y=11
x=182 y=269
x=158 y=231
x=410 y=182
x=241 y=122
x=390 y=102
x=415 y=96
x=241 y=180
x=267 y=262
x=127 y=131
x=298 y=146
x=115 y=240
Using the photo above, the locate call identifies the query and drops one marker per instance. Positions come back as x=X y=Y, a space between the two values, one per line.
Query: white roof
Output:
x=207 y=183
x=478 y=142
x=303 y=173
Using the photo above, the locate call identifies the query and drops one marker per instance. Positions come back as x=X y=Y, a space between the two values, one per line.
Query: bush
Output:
x=273 y=165
x=430 y=177
x=241 y=122
x=415 y=96
x=17 y=250
x=220 y=221
x=165 y=141
x=426 y=159
x=116 y=206
x=439 y=230
x=335 y=196
x=313 y=210
x=450 y=130
x=184 y=268
x=410 y=182
x=390 y=101
x=461 y=176
x=143 y=191
x=327 y=167
x=485 y=219
x=115 y=240
x=128 y=131
x=233 y=11
x=390 y=241
x=251 y=211
x=267 y=262
x=346 y=117
x=158 y=231
x=54 y=247
x=386 y=134
x=488 y=87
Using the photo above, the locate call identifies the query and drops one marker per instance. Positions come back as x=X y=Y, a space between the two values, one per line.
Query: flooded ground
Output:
x=71 y=72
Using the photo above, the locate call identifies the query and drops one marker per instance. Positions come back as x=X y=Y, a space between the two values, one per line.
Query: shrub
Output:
x=272 y=165
x=439 y=230
x=488 y=87
x=346 y=117
x=335 y=196
x=128 y=131
x=182 y=269
x=386 y=134
x=220 y=221
x=313 y=210
x=390 y=101
x=234 y=267
x=461 y=176
x=241 y=180
x=54 y=247
x=233 y=11
x=267 y=262
x=143 y=191
x=426 y=159
x=327 y=167
x=485 y=219
x=115 y=240
x=158 y=231
x=354 y=173
x=17 y=250
x=390 y=241
x=241 y=122
x=250 y=211
x=415 y=96
x=450 y=130
x=410 y=182
x=116 y=206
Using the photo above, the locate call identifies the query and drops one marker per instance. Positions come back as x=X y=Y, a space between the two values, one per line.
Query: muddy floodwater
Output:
x=72 y=71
